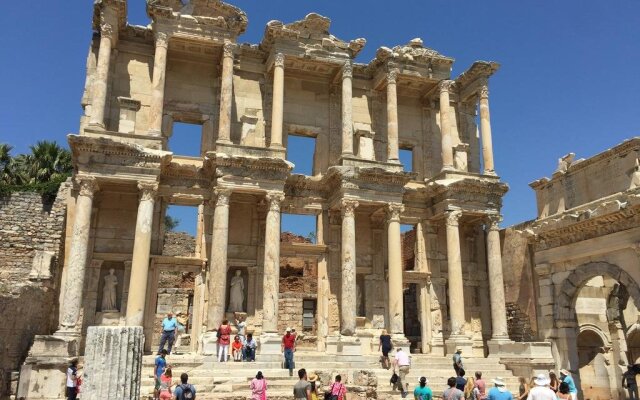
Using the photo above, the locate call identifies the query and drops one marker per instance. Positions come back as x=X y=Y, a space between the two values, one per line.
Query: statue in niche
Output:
x=617 y=303
x=236 y=293
x=359 y=304
x=109 y=292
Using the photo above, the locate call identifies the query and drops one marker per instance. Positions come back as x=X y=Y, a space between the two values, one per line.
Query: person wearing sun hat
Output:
x=313 y=380
x=541 y=390
x=422 y=391
x=565 y=376
x=499 y=391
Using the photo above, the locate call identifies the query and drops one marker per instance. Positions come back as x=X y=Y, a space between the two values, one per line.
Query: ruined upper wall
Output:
x=578 y=182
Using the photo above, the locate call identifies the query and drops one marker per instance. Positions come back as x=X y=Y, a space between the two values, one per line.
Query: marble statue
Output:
x=236 y=293
x=109 y=292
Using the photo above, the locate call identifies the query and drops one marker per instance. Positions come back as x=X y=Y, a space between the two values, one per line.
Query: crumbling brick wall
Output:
x=178 y=244
x=29 y=224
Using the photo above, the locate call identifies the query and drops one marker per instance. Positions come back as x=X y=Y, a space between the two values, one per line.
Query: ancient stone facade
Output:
x=576 y=265
x=248 y=99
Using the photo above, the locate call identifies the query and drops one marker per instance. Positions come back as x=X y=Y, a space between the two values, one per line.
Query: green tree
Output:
x=170 y=223
x=7 y=165
x=47 y=162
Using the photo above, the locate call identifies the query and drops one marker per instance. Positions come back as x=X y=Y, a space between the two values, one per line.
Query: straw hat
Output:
x=313 y=377
x=564 y=372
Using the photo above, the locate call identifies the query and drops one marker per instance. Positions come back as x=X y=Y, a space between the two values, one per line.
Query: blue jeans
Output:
x=249 y=354
x=167 y=336
x=288 y=360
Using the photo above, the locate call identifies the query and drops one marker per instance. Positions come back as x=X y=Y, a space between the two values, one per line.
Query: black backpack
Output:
x=187 y=392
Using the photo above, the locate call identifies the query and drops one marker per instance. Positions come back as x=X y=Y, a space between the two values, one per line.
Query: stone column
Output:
x=485 y=130
x=108 y=36
x=226 y=93
x=454 y=263
x=347 y=111
x=141 y=251
x=217 y=275
x=271 y=285
x=113 y=362
x=394 y=251
x=445 y=125
x=157 y=87
x=424 y=303
x=77 y=264
x=348 y=299
x=496 y=282
x=277 y=108
x=392 y=117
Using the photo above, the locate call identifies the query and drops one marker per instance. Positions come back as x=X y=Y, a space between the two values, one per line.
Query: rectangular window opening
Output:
x=406 y=158
x=301 y=152
x=180 y=227
x=298 y=228
x=186 y=139
x=308 y=314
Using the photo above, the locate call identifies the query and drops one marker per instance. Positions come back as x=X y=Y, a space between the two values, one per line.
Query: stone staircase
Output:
x=230 y=381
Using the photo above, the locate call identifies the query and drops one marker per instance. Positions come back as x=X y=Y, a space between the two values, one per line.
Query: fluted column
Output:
x=226 y=92
x=217 y=275
x=137 y=297
x=394 y=250
x=392 y=116
x=347 y=110
x=485 y=130
x=108 y=36
x=77 y=264
x=496 y=281
x=445 y=125
x=271 y=283
x=157 y=87
x=348 y=301
x=454 y=263
x=277 y=108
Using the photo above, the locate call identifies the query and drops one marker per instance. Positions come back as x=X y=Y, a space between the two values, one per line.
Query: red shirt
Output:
x=288 y=340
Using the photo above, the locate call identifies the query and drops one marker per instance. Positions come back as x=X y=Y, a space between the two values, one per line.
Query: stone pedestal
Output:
x=113 y=362
x=344 y=345
x=458 y=342
x=209 y=344
x=270 y=343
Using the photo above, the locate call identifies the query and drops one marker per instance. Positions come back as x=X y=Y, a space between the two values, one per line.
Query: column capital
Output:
x=107 y=30
x=228 y=49
x=493 y=222
x=393 y=211
x=278 y=60
x=446 y=86
x=221 y=196
x=162 y=39
x=148 y=190
x=452 y=217
x=275 y=198
x=347 y=70
x=392 y=75
x=483 y=90
x=348 y=207
x=87 y=185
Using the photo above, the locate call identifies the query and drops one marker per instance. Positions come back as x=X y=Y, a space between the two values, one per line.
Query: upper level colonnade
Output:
x=187 y=66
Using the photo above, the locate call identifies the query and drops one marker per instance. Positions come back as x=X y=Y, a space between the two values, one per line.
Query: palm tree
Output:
x=46 y=162
x=7 y=165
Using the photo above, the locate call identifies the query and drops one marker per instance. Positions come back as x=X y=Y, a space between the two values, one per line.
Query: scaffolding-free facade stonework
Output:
x=187 y=67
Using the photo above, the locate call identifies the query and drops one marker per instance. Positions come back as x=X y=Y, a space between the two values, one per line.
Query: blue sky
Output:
x=569 y=79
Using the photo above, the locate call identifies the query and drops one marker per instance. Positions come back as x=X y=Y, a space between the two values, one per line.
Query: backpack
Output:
x=187 y=392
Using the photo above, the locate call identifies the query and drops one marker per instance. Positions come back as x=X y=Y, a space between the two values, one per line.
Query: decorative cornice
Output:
x=214 y=13
x=413 y=52
x=82 y=147
x=479 y=69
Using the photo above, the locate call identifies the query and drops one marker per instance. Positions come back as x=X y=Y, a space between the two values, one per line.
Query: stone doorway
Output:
x=593 y=364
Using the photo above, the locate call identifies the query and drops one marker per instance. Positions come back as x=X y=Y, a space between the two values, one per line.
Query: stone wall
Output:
x=179 y=244
x=31 y=258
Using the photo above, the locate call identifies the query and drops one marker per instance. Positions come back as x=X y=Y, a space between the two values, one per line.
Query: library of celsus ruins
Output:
x=412 y=248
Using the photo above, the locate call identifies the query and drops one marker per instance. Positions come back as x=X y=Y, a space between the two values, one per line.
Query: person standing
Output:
x=224 y=339
x=241 y=326
x=302 y=388
x=158 y=369
x=386 y=345
x=422 y=391
x=499 y=391
x=288 y=347
x=481 y=386
x=470 y=389
x=541 y=391
x=313 y=381
x=457 y=361
x=71 y=390
x=452 y=393
x=461 y=382
x=250 y=348
x=258 y=387
x=629 y=382
x=185 y=391
x=565 y=376
x=402 y=364
x=183 y=320
x=554 y=383
x=165 y=384
x=168 y=332
x=523 y=389
x=563 y=392
x=338 y=390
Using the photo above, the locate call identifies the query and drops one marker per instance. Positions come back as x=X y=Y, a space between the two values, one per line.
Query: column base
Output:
x=270 y=344
x=209 y=343
x=453 y=343
x=344 y=345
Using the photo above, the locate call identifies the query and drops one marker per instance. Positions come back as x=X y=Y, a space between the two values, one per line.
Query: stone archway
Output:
x=594 y=363
x=633 y=343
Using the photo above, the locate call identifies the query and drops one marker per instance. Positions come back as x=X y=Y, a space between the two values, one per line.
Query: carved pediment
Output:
x=412 y=52
x=203 y=12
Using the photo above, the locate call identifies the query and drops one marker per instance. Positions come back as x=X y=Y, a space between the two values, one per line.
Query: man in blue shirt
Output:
x=185 y=390
x=565 y=376
x=169 y=330
x=499 y=391
x=158 y=369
